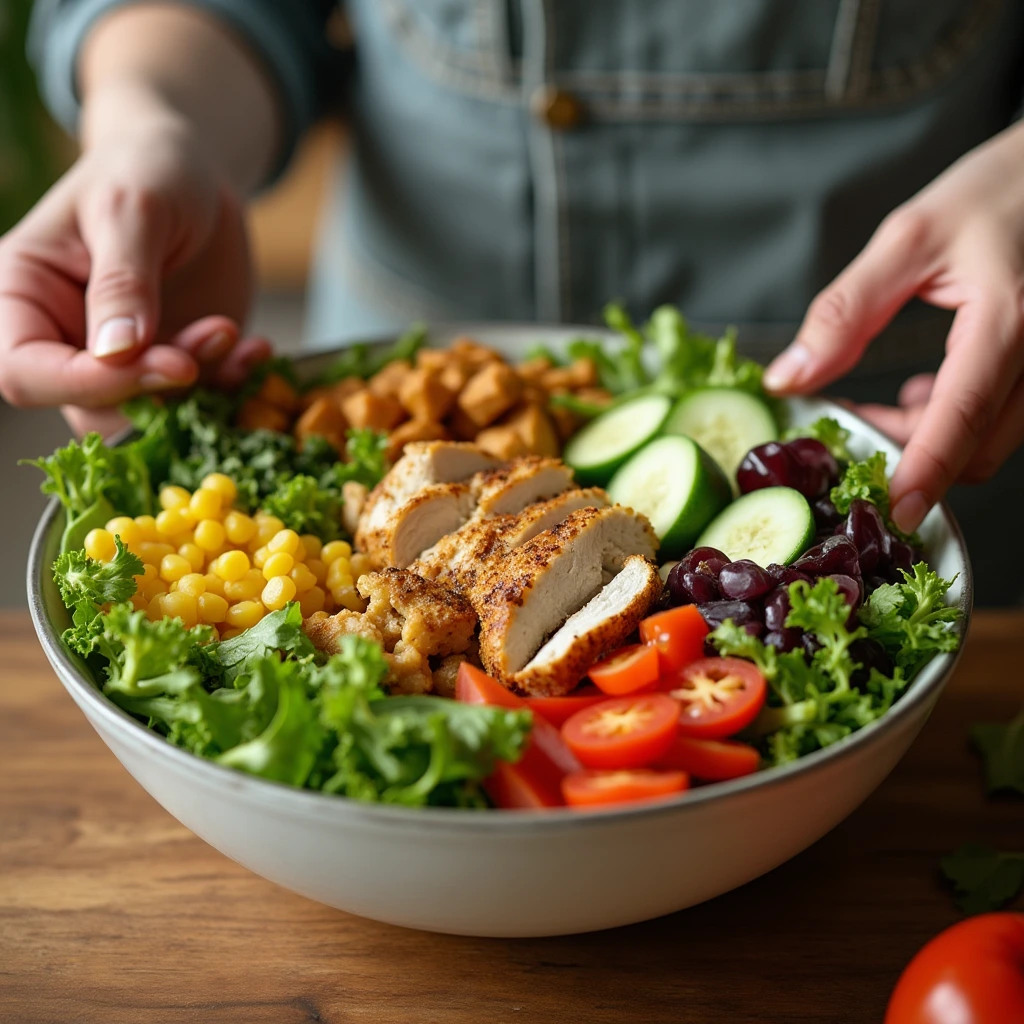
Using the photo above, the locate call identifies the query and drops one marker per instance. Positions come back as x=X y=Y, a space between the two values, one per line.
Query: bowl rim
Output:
x=296 y=801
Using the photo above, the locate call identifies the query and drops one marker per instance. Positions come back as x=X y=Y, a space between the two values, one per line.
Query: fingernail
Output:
x=788 y=368
x=910 y=510
x=118 y=334
x=158 y=382
x=215 y=347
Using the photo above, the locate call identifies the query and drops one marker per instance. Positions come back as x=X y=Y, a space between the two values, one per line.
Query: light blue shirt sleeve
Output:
x=288 y=36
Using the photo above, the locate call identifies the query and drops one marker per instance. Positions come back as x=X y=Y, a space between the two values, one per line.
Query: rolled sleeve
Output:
x=287 y=35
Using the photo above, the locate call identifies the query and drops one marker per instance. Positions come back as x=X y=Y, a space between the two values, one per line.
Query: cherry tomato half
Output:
x=629 y=669
x=678 y=634
x=625 y=732
x=711 y=760
x=535 y=779
x=557 y=709
x=972 y=973
x=719 y=696
x=598 y=789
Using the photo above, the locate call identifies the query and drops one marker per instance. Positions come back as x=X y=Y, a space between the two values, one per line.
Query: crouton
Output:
x=433 y=359
x=414 y=430
x=366 y=409
x=584 y=373
x=535 y=430
x=565 y=420
x=347 y=386
x=323 y=417
x=424 y=396
x=489 y=393
x=388 y=381
x=473 y=354
x=501 y=442
x=533 y=370
x=276 y=391
x=307 y=398
x=595 y=396
x=461 y=426
x=256 y=414
x=454 y=375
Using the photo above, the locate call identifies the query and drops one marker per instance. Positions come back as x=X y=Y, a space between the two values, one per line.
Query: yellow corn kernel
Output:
x=194 y=555
x=193 y=583
x=312 y=545
x=284 y=540
x=173 y=567
x=311 y=601
x=361 y=565
x=209 y=534
x=348 y=598
x=318 y=569
x=239 y=527
x=154 y=610
x=172 y=586
x=302 y=578
x=214 y=584
x=127 y=529
x=266 y=526
x=206 y=504
x=139 y=603
x=244 y=614
x=211 y=608
x=99 y=544
x=260 y=556
x=153 y=553
x=230 y=634
x=180 y=606
x=172 y=521
x=279 y=564
x=149 y=572
x=339 y=574
x=232 y=566
x=173 y=496
x=335 y=550
x=277 y=593
x=151 y=588
x=220 y=484
x=147 y=528
x=248 y=588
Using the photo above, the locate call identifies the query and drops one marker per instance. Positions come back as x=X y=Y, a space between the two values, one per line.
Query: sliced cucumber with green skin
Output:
x=725 y=422
x=677 y=485
x=605 y=443
x=774 y=524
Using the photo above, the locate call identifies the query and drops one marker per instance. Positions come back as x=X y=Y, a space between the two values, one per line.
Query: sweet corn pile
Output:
x=206 y=562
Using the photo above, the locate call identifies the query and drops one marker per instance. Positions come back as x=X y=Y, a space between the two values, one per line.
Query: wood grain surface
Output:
x=111 y=912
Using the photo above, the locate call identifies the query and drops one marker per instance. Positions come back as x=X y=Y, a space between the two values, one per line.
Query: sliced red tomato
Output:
x=628 y=670
x=557 y=709
x=711 y=760
x=598 y=789
x=972 y=973
x=625 y=732
x=678 y=635
x=535 y=779
x=719 y=696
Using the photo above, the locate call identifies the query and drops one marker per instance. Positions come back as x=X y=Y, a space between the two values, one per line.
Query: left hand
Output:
x=958 y=244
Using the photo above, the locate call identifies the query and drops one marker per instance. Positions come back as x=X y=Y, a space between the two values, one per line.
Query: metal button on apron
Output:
x=556 y=107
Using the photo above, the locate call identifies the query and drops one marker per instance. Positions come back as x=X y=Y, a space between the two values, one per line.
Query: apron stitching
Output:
x=863 y=50
x=837 y=75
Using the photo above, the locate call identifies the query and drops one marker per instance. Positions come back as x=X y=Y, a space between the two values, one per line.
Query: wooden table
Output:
x=110 y=911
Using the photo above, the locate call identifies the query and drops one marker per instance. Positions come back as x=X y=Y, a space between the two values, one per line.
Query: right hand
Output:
x=129 y=276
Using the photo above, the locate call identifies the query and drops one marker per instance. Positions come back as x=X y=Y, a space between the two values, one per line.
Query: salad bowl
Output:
x=522 y=873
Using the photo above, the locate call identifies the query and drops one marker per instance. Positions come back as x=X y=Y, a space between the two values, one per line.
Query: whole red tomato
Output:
x=972 y=973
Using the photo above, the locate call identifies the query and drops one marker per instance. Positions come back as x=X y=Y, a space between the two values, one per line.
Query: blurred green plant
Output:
x=30 y=152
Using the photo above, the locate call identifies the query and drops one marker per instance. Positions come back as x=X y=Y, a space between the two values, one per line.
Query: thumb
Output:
x=122 y=299
x=844 y=318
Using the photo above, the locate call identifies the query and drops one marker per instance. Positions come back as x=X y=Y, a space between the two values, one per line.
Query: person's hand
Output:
x=959 y=244
x=130 y=276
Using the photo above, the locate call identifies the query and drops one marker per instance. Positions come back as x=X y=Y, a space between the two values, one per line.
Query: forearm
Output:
x=172 y=65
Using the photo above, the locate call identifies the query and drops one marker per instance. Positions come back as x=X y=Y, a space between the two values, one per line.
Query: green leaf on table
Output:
x=1001 y=745
x=983 y=879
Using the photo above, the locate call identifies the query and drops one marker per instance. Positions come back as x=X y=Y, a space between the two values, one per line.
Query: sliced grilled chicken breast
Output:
x=424 y=465
x=544 y=514
x=601 y=625
x=526 y=595
x=509 y=489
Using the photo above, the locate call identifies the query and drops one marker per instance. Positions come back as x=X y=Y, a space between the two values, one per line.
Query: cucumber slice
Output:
x=774 y=524
x=725 y=422
x=605 y=443
x=677 y=485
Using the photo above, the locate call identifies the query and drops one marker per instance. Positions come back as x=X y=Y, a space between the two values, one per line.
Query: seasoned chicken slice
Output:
x=528 y=479
x=526 y=595
x=544 y=514
x=412 y=619
x=424 y=465
x=601 y=625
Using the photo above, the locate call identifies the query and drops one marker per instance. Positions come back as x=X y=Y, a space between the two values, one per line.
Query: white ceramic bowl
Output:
x=514 y=873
